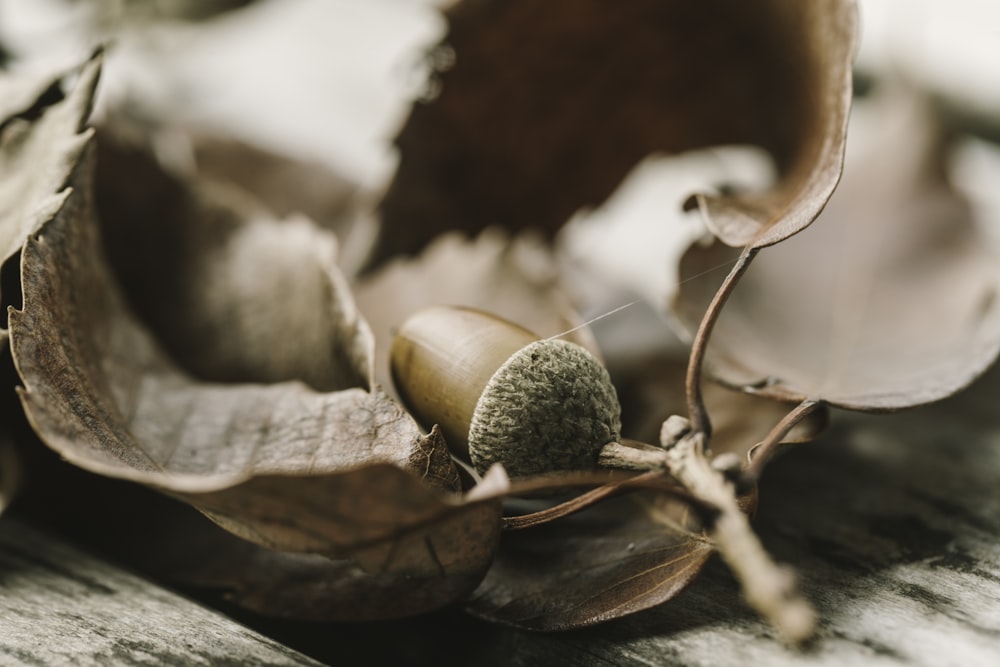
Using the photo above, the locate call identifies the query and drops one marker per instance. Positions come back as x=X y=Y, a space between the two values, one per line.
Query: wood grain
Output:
x=60 y=606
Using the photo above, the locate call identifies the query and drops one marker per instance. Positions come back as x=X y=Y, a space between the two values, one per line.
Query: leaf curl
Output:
x=233 y=294
x=889 y=302
x=544 y=107
x=339 y=474
x=42 y=136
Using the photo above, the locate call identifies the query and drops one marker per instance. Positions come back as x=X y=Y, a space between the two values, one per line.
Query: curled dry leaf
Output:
x=278 y=464
x=293 y=585
x=890 y=301
x=820 y=57
x=40 y=142
x=233 y=294
x=41 y=137
x=633 y=552
x=339 y=474
x=544 y=107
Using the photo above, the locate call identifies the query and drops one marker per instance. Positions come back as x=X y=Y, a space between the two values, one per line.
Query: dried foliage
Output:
x=500 y=145
x=841 y=312
x=338 y=473
x=182 y=324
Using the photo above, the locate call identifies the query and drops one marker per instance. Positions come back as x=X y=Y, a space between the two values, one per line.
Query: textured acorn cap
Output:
x=550 y=406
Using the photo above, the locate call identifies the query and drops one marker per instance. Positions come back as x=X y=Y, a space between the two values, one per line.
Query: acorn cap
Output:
x=550 y=406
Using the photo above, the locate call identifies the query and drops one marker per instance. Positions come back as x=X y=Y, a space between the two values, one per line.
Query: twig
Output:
x=767 y=587
x=657 y=480
x=764 y=450
x=696 y=404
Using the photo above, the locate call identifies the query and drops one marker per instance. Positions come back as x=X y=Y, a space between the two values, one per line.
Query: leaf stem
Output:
x=657 y=480
x=696 y=404
x=765 y=449
x=768 y=587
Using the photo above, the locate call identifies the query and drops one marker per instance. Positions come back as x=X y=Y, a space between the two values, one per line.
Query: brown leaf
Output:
x=617 y=558
x=396 y=531
x=824 y=52
x=41 y=140
x=889 y=302
x=547 y=105
x=232 y=293
x=338 y=474
x=306 y=586
x=173 y=543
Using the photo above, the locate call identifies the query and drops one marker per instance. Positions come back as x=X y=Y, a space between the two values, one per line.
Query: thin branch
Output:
x=767 y=587
x=657 y=480
x=765 y=449
x=696 y=403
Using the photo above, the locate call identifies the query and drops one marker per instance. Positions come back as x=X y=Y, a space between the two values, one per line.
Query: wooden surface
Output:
x=59 y=606
x=892 y=521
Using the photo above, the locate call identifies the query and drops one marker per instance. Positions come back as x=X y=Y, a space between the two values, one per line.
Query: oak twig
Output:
x=765 y=449
x=656 y=480
x=768 y=587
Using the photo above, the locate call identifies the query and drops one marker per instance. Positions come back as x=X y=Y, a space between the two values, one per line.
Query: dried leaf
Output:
x=824 y=52
x=339 y=474
x=223 y=283
x=97 y=388
x=393 y=527
x=172 y=543
x=544 y=107
x=38 y=149
x=889 y=302
x=614 y=559
x=305 y=586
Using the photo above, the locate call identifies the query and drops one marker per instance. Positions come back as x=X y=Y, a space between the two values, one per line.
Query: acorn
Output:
x=501 y=395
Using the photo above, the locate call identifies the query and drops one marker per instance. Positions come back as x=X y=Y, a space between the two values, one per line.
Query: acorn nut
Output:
x=501 y=395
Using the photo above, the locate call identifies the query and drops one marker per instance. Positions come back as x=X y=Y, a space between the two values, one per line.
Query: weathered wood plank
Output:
x=60 y=606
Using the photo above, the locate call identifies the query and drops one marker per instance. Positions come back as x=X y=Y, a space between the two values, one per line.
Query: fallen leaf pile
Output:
x=215 y=329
